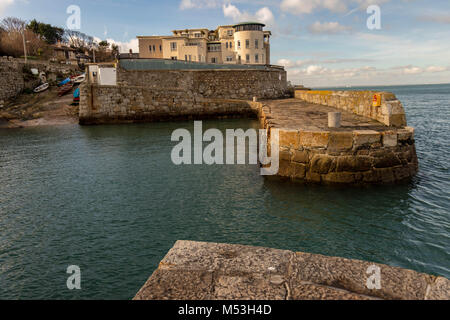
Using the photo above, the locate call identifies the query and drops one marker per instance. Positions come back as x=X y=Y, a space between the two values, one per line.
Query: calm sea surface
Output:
x=109 y=199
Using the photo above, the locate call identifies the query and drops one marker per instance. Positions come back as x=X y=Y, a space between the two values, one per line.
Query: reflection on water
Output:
x=108 y=199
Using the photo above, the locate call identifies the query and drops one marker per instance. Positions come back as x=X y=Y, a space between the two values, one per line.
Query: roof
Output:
x=167 y=64
x=247 y=23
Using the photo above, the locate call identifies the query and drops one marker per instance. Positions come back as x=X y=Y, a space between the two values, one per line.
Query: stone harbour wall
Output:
x=388 y=110
x=158 y=95
x=216 y=84
x=121 y=104
x=344 y=157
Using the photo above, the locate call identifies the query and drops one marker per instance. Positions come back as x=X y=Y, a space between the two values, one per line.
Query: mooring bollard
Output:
x=334 y=119
x=255 y=99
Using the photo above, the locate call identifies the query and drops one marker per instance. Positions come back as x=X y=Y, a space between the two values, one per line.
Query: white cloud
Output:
x=317 y=75
x=299 y=7
x=263 y=15
x=436 y=69
x=198 y=4
x=327 y=27
x=4 y=4
x=412 y=70
x=419 y=70
x=232 y=12
x=308 y=6
x=315 y=69
x=124 y=47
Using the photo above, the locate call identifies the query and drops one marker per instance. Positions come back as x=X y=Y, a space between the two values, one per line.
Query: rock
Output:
x=314 y=139
x=321 y=163
x=340 y=141
x=365 y=137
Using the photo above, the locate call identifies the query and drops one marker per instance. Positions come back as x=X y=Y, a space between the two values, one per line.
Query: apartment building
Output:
x=244 y=43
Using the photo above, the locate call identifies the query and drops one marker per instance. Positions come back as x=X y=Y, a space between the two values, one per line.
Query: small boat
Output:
x=41 y=88
x=65 y=89
x=64 y=82
x=79 y=79
x=76 y=95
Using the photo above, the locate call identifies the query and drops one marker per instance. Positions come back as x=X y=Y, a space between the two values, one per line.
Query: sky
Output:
x=321 y=43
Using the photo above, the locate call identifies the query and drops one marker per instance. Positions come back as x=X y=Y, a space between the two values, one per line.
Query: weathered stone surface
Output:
x=354 y=163
x=250 y=286
x=339 y=177
x=439 y=289
x=290 y=138
x=201 y=271
x=390 y=112
x=321 y=163
x=389 y=139
x=340 y=141
x=309 y=291
x=365 y=137
x=177 y=285
x=314 y=139
x=352 y=275
x=301 y=156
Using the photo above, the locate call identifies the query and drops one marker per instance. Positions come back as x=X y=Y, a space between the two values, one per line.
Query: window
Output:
x=150 y=48
x=247 y=58
x=197 y=35
x=185 y=57
x=247 y=44
x=160 y=48
x=227 y=45
x=154 y=48
x=214 y=60
x=214 y=47
x=174 y=58
x=256 y=58
x=249 y=27
x=239 y=44
x=231 y=44
x=256 y=44
x=173 y=46
x=230 y=33
x=190 y=57
x=239 y=59
x=229 y=58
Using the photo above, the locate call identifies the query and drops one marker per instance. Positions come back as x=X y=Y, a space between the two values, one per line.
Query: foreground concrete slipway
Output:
x=208 y=271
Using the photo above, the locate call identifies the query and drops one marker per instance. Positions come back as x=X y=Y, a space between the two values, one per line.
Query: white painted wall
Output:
x=107 y=76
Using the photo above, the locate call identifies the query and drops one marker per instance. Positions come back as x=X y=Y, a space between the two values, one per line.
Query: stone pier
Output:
x=363 y=150
x=209 y=271
x=372 y=144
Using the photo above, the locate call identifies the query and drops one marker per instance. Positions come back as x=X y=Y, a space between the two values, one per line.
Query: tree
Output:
x=2 y=32
x=115 y=50
x=103 y=43
x=11 y=44
x=106 y=52
x=49 y=33
x=78 y=40
x=12 y=24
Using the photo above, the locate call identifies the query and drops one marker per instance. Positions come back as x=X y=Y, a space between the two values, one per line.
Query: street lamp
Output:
x=24 y=45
